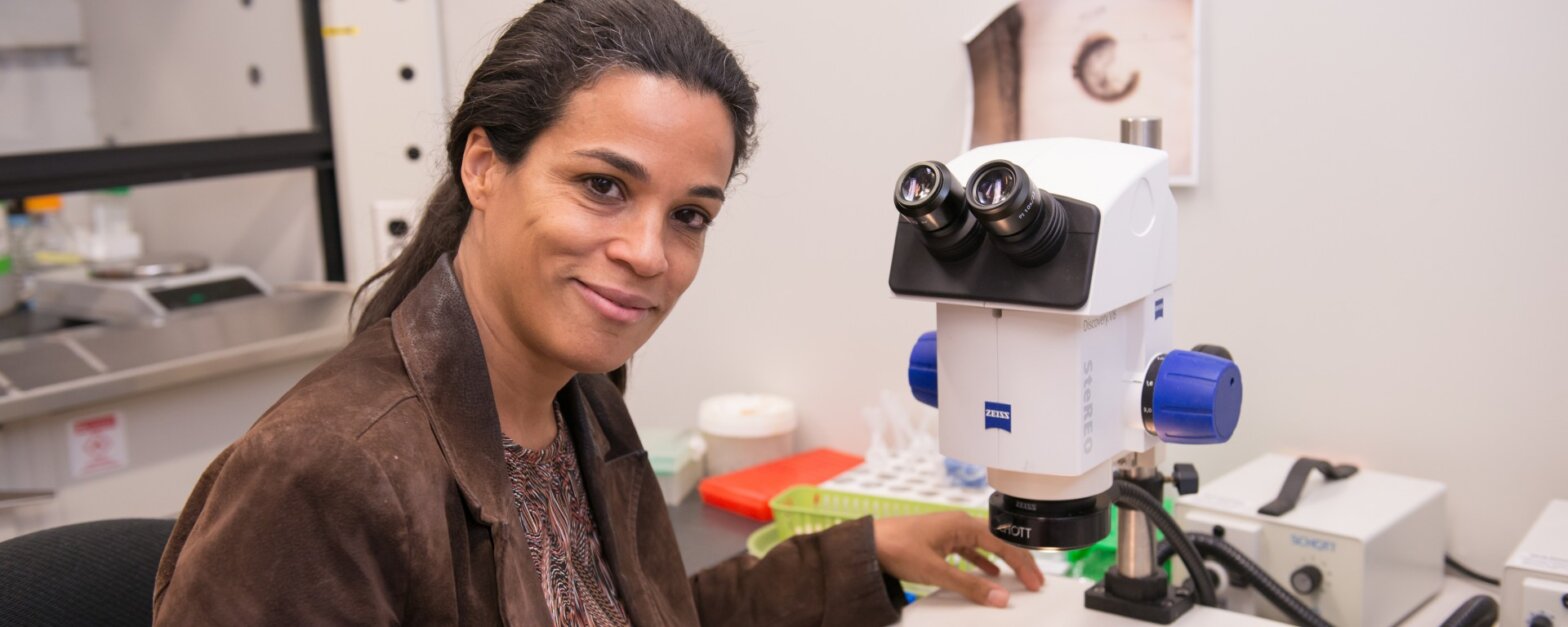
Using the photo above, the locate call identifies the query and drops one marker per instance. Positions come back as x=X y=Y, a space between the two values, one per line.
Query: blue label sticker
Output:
x=1315 y=544
x=999 y=416
x=1159 y=308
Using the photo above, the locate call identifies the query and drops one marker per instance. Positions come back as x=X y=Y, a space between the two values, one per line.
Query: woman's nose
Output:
x=640 y=244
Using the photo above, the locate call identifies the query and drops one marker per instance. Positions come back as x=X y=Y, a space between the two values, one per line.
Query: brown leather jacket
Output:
x=374 y=493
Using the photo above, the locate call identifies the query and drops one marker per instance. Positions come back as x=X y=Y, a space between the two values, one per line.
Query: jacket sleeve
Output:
x=830 y=578
x=286 y=529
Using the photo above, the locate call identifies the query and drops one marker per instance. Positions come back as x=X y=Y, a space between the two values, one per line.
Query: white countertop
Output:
x=1062 y=602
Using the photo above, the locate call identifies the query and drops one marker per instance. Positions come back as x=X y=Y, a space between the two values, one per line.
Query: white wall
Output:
x=39 y=45
x=1375 y=234
x=178 y=70
x=387 y=131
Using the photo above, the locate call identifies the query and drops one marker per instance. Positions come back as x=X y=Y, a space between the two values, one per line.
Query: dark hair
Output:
x=522 y=86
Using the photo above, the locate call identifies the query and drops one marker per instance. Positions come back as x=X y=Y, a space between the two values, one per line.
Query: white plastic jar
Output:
x=744 y=430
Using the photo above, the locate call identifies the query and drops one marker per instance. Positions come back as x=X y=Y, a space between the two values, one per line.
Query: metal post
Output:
x=1134 y=534
x=1142 y=131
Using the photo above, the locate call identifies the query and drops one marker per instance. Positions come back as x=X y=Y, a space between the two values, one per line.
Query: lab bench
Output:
x=708 y=535
x=70 y=366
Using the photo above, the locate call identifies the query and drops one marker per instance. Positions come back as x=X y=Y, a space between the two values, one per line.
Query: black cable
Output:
x=1130 y=495
x=1243 y=566
x=1465 y=570
x=1479 y=611
x=1163 y=552
x=1227 y=554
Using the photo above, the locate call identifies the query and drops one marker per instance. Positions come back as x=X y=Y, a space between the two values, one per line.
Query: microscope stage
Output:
x=1059 y=603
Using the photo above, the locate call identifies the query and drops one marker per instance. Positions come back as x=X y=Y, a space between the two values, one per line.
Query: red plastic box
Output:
x=747 y=492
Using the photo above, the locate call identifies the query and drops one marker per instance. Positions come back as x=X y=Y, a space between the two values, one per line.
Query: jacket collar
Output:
x=439 y=342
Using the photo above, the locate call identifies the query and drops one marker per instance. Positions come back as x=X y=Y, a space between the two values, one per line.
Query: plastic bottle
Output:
x=21 y=257
x=10 y=285
x=111 y=237
x=49 y=241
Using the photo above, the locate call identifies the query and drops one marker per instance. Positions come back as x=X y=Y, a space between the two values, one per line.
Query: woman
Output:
x=459 y=462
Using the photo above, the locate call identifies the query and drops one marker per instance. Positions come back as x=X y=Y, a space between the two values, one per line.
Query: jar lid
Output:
x=41 y=204
x=746 y=416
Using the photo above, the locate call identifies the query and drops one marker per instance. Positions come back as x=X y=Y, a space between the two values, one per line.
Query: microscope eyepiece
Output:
x=919 y=183
x=1029 y=224
x=928 y=197
x=994 y=194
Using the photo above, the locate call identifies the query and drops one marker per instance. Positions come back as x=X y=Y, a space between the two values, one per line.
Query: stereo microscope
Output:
x=1051 y=265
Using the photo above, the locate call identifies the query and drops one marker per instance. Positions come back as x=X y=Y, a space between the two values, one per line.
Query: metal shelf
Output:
x=79 y=170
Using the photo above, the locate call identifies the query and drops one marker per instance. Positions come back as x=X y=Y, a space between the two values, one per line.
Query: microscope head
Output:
x=1019 y=226
x=1051 y=264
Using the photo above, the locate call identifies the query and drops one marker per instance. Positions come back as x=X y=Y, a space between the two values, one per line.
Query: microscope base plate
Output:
x=1162 y=612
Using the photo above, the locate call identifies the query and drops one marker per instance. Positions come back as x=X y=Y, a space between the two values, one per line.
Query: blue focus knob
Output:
x=922 y=369
x=1192 y=398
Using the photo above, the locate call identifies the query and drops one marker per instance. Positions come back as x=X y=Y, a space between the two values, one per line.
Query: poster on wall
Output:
x=1075 y=68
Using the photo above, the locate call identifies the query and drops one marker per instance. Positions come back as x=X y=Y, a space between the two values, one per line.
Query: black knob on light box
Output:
x=1306 y=579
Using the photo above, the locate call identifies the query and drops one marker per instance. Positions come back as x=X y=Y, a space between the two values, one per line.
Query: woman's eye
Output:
x=693 y=219
x=603 y=187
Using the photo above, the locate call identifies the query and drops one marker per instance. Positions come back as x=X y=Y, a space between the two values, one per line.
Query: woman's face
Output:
x=587 y=243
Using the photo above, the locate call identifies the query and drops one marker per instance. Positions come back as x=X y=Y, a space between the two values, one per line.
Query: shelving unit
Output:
x=96 y=168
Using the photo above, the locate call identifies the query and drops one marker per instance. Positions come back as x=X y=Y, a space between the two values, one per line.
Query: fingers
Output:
x=975 y=589
x=1019 y=560
x=980 y=561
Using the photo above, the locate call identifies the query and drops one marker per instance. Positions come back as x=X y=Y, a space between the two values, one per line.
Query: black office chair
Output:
x=97 y=573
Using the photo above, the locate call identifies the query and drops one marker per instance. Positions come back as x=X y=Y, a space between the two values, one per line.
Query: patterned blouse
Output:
x=548 y=491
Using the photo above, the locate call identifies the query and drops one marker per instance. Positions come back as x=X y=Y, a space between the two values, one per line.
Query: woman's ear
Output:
x=479 y=171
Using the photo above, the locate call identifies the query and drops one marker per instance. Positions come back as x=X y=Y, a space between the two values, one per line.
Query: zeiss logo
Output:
x=999 y=416
x=1315 y=544
x=1159 y=308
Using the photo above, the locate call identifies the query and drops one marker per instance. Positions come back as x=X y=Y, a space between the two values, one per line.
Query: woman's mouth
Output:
x=620 y=306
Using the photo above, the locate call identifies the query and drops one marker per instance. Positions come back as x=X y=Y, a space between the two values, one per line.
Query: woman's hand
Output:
x=915 y=549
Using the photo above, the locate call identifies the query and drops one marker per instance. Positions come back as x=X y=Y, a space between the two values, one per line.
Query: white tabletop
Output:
x=1062 y=602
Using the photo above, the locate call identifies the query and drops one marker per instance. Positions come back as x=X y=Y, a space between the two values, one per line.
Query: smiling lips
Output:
x=624 y=307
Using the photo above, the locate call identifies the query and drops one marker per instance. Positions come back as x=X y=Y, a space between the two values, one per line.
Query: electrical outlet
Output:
x=394 y=222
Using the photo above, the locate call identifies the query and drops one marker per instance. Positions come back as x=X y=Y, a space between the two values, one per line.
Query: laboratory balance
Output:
x=140 y=289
